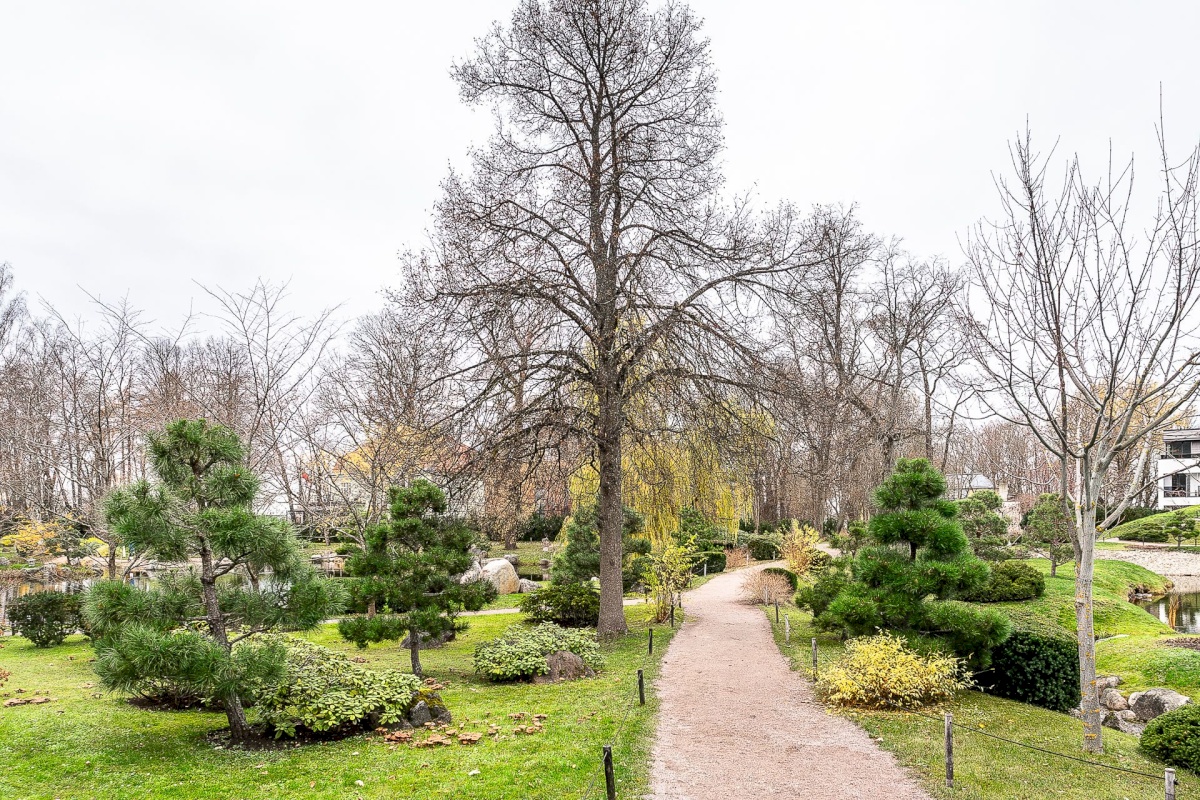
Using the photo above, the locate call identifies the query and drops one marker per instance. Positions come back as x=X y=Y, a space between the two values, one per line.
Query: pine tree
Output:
x=407 y=568
x=921 y=558
x=197 y=518
x=1048 y=529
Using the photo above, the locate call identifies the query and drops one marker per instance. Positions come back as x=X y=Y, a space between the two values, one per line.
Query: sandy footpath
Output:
x=735 y=722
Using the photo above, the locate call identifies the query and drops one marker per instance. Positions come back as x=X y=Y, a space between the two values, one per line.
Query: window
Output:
x=1182 y=449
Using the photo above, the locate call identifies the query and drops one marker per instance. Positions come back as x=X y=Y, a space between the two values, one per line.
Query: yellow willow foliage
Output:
x=660 y=480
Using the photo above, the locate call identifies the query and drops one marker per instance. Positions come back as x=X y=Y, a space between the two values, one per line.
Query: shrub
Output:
x=1037 y=664
x=1174 y=737
x=764 y=546
x=46 y=618
x=786 y=574
x=710 y=562
x=736 y=557
x=882 y=672
x=1146 y=529
x=571 y=605
x=766 y=588
x=829 y=584
x=520 y=654
x=323 y=691
x=539 y=526
x=971 y=632
x=798 y=547
x=1010 y=580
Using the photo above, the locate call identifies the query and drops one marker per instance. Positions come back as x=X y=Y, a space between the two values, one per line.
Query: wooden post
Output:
x=787 y=628
x=650 y=651
x=1169 y=780
x=949 y=749
x=672 y=615
x=641 y=689
x=776 y=612
x=706 y=569
x=610 y=780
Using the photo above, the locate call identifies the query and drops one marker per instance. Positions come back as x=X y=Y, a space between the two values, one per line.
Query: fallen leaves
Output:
x=27 y=701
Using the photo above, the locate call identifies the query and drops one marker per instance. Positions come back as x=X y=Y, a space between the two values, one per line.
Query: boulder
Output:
x=513 y=558
x=471 y=575
x=503 y=576
x=562 y=665
x=527 y=586
x=1155 y=702
x=1127 y=722
x=1109 y=682
x=1113 y=700
x=419 y=714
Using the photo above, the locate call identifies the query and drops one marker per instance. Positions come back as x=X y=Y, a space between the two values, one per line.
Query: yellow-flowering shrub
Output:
x=799 y=547
x=882 y=672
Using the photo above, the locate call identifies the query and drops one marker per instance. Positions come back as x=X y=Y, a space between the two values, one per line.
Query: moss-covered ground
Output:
x=87 y=744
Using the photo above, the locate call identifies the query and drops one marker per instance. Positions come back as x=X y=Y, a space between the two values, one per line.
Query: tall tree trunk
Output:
x=239 y=728
x=611 y=519
x=1084 y=621
x=414 y=651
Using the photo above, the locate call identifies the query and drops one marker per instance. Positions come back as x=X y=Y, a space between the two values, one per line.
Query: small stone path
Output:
x=736 y=722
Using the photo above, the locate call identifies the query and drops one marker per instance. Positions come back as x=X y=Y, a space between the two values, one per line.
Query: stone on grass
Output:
x=527 y=586
x=419 y=714
x=1113 y=700
x=503 y=576
x=513 y=558
x=1155 y=702
x=1109 y=682
x=563 y=665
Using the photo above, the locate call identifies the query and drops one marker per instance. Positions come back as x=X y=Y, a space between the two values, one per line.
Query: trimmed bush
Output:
x=46 y=618
x=883 y=672
x=520 y=654
x=322 y=691
x=1010 y=581
x=571 y=605
x=764 y=546
x=1175 y=737
x=714 y=559
x=1146 y=529
x=971 y=632
x=786 y=574
x=829 y=584
x=1036 y=664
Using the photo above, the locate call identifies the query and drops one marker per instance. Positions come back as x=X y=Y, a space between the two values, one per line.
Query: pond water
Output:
x=1180 y=610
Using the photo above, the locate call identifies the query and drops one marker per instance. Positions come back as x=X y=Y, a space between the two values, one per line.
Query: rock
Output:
x=1110 y=682
x=441 y=715
x=1155 y=702
x=419 y=714
x=503 y=576
x=1127 y=722
x=1113 y=700
x=513 y=558
x=471 y=575
x=527 y=586
x=563 y=665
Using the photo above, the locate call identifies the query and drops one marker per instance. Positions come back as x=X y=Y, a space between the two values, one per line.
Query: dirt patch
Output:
x=735 y=721
x=1187 y=644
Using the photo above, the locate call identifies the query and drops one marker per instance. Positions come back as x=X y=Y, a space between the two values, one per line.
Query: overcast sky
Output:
x=144 y=146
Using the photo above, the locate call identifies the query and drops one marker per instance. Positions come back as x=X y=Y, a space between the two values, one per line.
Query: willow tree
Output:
x=595 y=216
x=1088 y=336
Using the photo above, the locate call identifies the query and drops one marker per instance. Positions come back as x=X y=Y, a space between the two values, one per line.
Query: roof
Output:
x=972 y=481
x=1181 y=435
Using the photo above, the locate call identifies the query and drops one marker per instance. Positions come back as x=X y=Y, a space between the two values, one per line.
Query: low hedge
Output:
x=786 y=574
x=1010 y=581
x=46 y=618
x=1038 y=664
x=763 y=547
x=572 y=605
x=709 y=562
x=520 y=654
x=1146 y=529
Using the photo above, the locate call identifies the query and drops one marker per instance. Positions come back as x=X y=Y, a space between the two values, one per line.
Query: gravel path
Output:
x=1181 y=567
x=735 y=722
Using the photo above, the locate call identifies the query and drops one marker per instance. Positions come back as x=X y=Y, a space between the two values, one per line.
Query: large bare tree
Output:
x=597 y=206
x=1088 y=332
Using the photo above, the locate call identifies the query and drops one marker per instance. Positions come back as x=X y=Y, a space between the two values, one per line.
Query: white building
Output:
x=1179 y=469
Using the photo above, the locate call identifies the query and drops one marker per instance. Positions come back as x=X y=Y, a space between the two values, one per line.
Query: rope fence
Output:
x=813 y=669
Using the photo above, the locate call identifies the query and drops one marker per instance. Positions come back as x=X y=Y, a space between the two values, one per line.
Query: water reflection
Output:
x=1180 y=610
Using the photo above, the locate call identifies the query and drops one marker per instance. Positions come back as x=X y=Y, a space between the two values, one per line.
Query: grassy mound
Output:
x=1135 y=530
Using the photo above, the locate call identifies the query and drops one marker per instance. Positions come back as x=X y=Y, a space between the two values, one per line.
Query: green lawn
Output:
x=86 y=744
x=986 y=768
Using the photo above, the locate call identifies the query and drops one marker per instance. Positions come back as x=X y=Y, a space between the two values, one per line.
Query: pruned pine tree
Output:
x=409 y=567
x=198 y=518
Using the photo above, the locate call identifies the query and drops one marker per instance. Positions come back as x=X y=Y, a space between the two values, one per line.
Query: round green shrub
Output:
x=713 y=559
x=323 y=691
x=763 y=547
x=1037 y=664
x=786 y=574
x=520 y=654
x=1010 y=581
x=46 y=618
x=1175 y=737
x=571 y=605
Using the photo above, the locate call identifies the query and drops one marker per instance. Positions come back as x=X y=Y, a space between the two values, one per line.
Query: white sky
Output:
x=147 y=145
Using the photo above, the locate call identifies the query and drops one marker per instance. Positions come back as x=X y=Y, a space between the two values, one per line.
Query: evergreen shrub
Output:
x=1175 y=737
x=46 y=618
x=520 y=653
x=1037 y=664
x=1010 y=581
x=571 y=605
x=786 y=574
x=883 y=672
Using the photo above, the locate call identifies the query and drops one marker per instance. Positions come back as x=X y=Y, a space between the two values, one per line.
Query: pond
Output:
x=1180 y=610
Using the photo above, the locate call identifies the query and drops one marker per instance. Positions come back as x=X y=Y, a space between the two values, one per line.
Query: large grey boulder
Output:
x=503 y=576
x=1109 y=682
x=527 y=586
x=1155 y=702
x=1124 y=721
x=1113 y=700
x=513 y=558
x=471 y=575
x=419 y=714
x=563 y=665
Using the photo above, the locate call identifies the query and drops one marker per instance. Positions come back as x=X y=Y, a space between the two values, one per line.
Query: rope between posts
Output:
x=1089 y=762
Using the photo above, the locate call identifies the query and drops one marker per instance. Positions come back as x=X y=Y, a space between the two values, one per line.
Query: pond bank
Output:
x=1182 y=568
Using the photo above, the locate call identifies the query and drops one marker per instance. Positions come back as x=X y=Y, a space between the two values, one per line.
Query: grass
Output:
x=986 y=768
x=87 y=744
